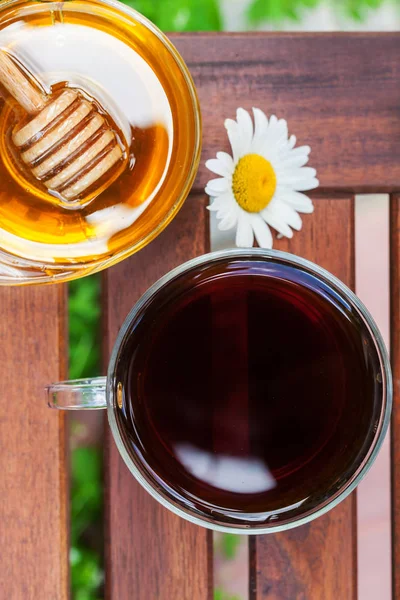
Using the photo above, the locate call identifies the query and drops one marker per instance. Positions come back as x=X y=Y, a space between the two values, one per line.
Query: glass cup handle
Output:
x=78 y=394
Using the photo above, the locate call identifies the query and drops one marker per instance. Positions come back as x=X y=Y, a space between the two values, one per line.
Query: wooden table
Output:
x=341 y=94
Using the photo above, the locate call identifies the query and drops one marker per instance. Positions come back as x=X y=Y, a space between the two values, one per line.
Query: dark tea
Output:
x=251 y=391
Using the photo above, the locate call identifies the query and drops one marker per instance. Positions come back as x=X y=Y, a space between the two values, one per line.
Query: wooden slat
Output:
x=339 y=92
x=33 y=488
x=150 y=552
x=317 y=561
x=395 y=359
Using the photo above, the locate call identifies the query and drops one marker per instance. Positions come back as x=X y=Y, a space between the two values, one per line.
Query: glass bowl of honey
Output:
x=108 y=84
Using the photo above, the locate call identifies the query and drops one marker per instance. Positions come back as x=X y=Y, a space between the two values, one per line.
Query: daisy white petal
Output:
x=226 y=160
x=217 y=203
x=274 y=143
x=262 y=232
x=246 y=129
x=286 y=153
x=273 y=121
x=260 y=125
x=283 y=130
x=293 y=176
x=244 y=233
x=277 y=130
x=217 y=167
x=275 y=220
x=231 y=124
x=224 y=211
x=217 y=186
x=292 y=160
x=304 y=172
x=287 y=213
x=307 y=184
x=212 y=207
x=300 y=150
x=224 y=201
x=282 y=166
x=288 y=147
x=228 y=221
x=298 y=201
x=295 y=221
x=234 y=139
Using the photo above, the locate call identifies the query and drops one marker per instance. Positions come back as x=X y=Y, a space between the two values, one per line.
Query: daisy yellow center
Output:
x=253 y=182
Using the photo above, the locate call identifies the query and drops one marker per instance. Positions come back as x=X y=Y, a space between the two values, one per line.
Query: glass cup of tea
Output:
x=248 y=391
x=117 y=84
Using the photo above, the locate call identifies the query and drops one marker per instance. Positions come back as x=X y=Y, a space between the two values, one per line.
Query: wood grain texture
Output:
x=395 y=359
x=338 y=91
x=317 y=561
x=150 y=552
x=33 y=483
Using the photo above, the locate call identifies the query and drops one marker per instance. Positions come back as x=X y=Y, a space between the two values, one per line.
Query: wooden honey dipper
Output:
x=66 y=143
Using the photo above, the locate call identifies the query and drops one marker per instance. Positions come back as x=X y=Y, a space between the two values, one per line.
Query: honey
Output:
x=113 y=55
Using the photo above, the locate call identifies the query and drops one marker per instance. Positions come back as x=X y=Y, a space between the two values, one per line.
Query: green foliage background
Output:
x=276 y=11
x=86 y=463
x=205 y=15
x=84 y=298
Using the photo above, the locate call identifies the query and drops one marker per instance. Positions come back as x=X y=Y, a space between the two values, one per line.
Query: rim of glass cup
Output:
x=380 y=432
x=71 y=271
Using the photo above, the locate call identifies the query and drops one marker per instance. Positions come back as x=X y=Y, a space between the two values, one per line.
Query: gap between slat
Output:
x=395 y=356
x=373 y=498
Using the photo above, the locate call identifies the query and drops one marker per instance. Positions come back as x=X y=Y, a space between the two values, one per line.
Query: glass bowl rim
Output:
x=75 y=271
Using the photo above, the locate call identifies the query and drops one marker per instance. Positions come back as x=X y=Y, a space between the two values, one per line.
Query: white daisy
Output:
x=261 y=185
